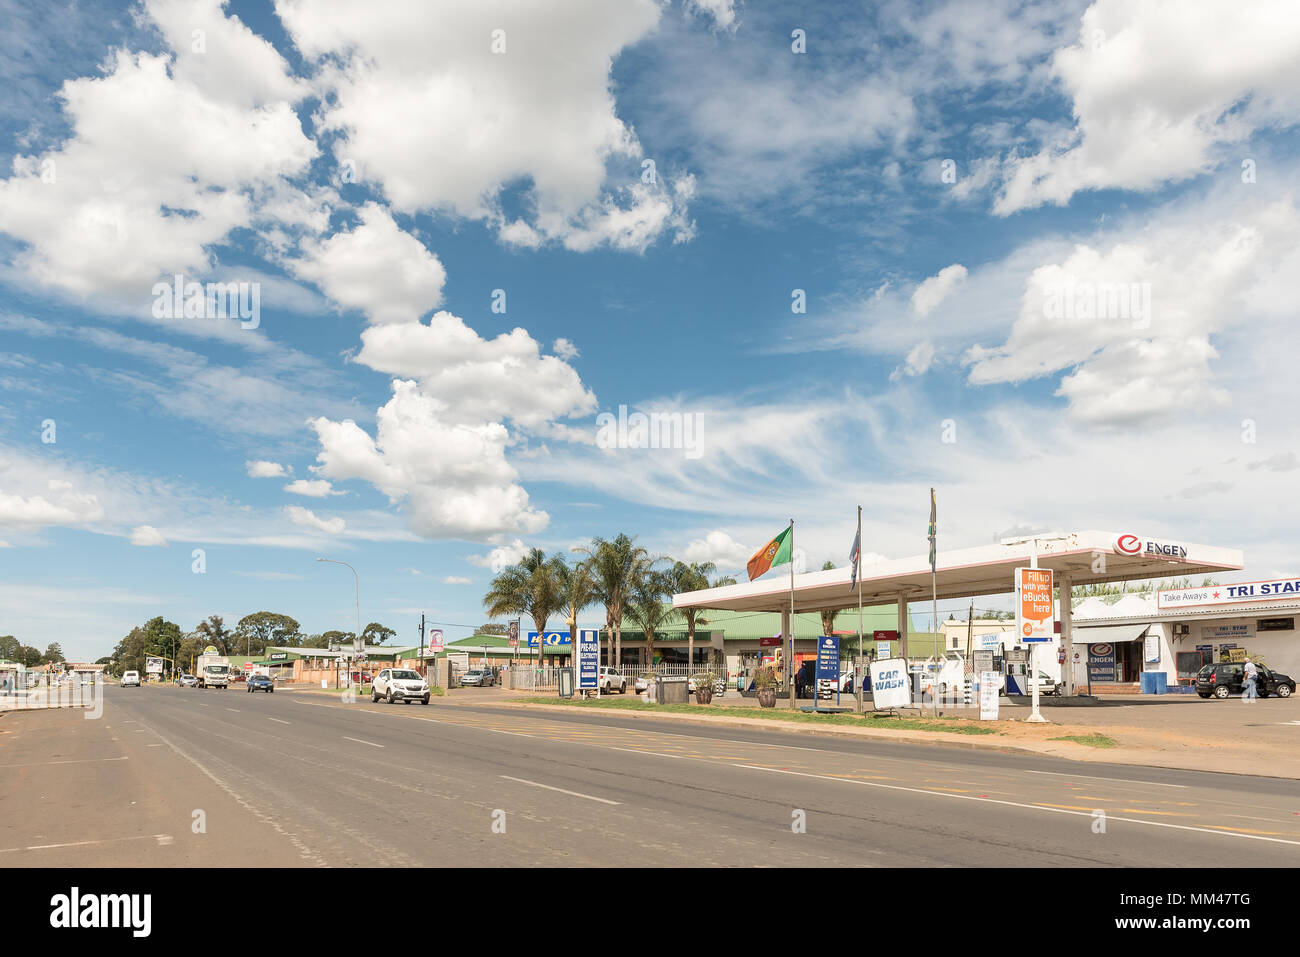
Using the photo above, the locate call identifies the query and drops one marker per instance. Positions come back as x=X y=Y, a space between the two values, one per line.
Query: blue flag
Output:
x=855 y=556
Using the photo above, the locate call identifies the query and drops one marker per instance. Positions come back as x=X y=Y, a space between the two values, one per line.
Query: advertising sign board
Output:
x=990 y=685
x=1274 y=589
x=828 y=658
x=435 y=641
x=882 y=649
x=153 y=666
x=552 y=639
x=1101 y=662
x=1035 y=617
x=588 y=659
x=889 y=685
x=1152 y=649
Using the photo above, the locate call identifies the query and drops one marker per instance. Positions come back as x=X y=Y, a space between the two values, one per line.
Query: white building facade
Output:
x=1177 y=631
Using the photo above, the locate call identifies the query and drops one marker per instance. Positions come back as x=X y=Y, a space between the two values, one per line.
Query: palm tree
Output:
x=694 y=577
x=647 y=608
x=828 y=615
x=577 y=591
x=531 y=587
x=614 y=565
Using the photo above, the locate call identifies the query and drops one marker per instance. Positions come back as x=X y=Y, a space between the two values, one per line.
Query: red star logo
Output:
x=1216 y=594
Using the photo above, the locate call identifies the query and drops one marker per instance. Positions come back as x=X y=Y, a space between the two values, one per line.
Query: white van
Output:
x=130 y=679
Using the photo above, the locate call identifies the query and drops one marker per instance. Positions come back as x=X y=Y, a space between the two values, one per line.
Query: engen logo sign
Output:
x=1132 y=545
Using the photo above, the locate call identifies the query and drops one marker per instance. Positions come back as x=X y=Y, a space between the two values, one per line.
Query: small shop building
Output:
x=1164 y=638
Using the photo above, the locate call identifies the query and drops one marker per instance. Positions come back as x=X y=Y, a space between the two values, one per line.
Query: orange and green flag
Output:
x=775 y=552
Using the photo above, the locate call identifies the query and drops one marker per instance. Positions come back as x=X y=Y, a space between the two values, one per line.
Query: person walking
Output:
x=1248 y=682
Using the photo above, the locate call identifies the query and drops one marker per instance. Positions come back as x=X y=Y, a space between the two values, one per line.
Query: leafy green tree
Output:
x=531 y=587
x=344 y=639
x=491 y=629
x=213 y=631
x=9 y=646
x=263 y=628
x=376 y=634
x=53 y=654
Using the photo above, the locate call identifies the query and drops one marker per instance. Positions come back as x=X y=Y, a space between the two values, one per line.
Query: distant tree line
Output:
x=252 y=635
x=11 y=649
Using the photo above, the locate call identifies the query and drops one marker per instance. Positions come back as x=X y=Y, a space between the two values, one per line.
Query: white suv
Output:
x=611 y=679
x=399 y=684
x=130 y=678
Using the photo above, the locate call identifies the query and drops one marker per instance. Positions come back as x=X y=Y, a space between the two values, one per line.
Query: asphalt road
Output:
x=184 y=777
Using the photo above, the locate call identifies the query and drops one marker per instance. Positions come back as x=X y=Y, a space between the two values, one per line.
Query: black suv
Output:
x=1225 y=679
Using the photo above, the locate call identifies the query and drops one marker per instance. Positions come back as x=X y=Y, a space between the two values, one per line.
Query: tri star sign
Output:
x=1273 y=589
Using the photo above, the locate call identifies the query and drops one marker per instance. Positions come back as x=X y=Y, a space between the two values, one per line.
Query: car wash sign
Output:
x=1035 y=610
x=889 y=685
x=1274 y=589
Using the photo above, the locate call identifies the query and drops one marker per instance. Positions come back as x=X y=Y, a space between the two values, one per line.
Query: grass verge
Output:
x=950 y=725
x=1091 y=740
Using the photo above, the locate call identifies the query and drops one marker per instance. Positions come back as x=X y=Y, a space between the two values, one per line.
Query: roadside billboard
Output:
x=1035 y=609
x=153 y=666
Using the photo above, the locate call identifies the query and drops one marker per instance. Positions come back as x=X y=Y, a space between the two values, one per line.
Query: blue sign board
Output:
x=588 y=659
x=553 y=639
x=1101 y=662
x=828 y=659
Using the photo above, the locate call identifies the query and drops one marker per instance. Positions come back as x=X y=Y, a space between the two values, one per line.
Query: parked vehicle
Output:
x=130 y=679
x=478 y=677
x=400 y=684
x=260 y=683
x=213 y=671
x=362 y=678
x=189 y=681
x=611 y=680
x=1226 y=679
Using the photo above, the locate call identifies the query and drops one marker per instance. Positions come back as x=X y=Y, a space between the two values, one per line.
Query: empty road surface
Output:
x=188 y=777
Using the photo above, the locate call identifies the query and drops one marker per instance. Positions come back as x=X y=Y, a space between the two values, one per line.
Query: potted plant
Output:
x=704 y=687
x=765 y=682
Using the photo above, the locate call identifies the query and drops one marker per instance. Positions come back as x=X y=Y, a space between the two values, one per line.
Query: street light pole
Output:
x=357 y=580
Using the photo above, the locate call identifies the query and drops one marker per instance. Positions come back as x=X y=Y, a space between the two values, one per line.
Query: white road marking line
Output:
x=1094 y=777
x=359 y=741
x=282 y=721
x=236 y=710
x=1028 y=807
x=37 y=764
x=160 y=838
x=577 y=794
x=644 y=751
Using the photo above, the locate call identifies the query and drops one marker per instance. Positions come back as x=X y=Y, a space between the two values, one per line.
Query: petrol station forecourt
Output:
x=1075 y=558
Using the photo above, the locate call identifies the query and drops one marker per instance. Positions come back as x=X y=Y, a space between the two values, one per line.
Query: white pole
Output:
x=1034 y=716
x=857 y=677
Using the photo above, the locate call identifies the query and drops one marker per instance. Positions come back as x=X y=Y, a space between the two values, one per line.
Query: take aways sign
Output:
x=1035 y=618
x=889 y=685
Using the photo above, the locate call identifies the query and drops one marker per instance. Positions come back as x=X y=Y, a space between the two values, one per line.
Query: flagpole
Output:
x=790 y=660
x=858 y=677
x=934 y=603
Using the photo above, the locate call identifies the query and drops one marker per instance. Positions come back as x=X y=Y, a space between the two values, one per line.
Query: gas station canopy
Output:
x=1085 y=557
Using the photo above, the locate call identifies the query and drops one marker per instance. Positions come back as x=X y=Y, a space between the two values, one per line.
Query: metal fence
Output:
x=533 y=679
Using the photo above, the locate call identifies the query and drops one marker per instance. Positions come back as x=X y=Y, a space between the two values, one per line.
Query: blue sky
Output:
x=928 y=174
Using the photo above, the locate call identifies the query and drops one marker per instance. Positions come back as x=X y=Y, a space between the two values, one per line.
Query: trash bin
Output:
x=1155 y=682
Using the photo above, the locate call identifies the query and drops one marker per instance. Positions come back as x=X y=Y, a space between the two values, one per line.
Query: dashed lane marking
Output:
x=537 y=784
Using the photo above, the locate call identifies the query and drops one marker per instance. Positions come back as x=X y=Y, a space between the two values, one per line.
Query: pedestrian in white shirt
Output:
x=1248 y=682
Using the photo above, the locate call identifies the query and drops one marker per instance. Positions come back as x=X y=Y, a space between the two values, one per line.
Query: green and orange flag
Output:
x=775 y=552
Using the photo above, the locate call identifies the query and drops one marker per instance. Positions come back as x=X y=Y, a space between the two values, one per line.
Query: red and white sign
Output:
x=435 y=640
x=248 y=666
x=1128 y=544
x=1035 y=615
x=769 y=642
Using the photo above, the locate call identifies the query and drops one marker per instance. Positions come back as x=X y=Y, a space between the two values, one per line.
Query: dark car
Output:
x=260 y=683
x=1226 y=678
x=480 y=677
